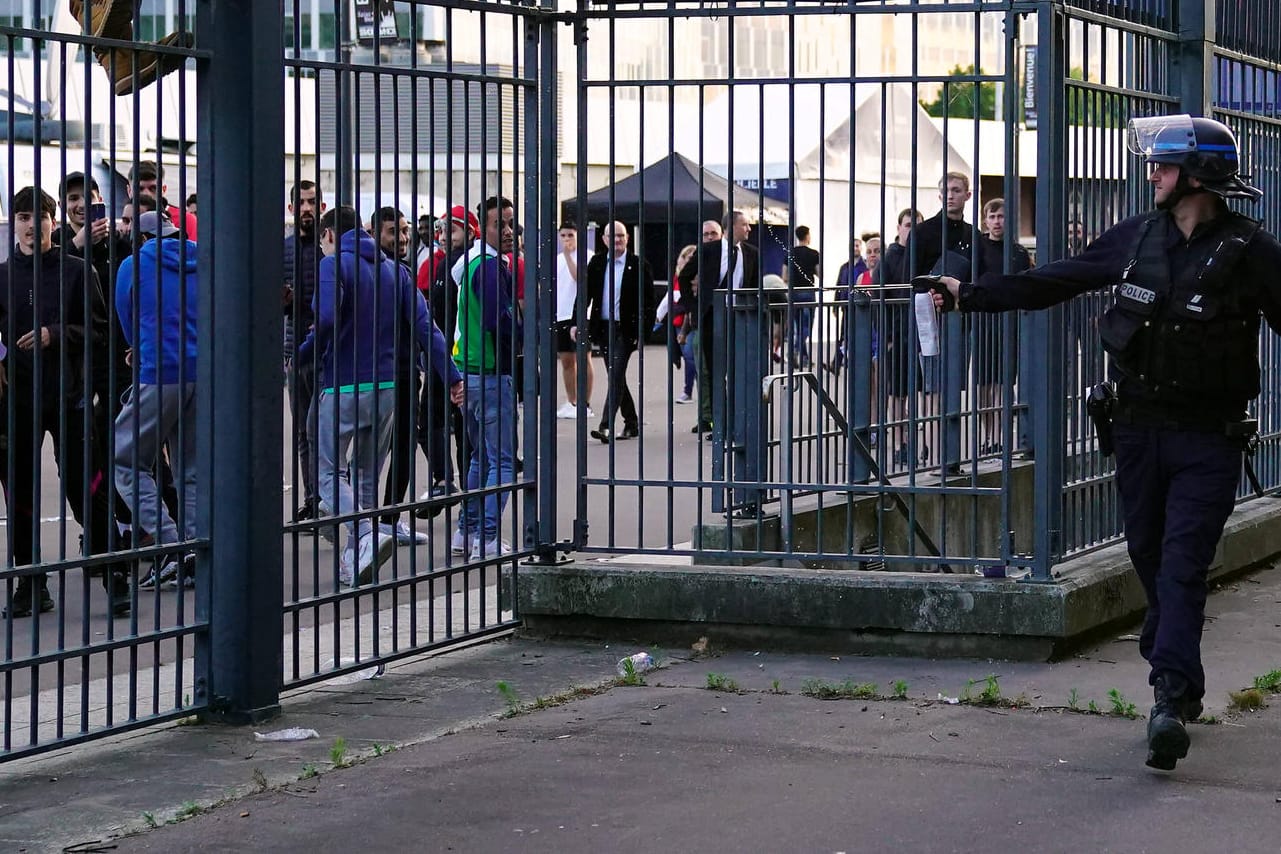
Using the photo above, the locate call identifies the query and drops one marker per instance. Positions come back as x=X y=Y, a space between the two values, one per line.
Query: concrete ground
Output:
x=675 y=766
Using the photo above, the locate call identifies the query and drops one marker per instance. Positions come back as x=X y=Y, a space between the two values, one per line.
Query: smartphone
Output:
x=97 y=212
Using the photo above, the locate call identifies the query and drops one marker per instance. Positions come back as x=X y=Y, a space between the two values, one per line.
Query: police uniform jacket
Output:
x=1183 y=330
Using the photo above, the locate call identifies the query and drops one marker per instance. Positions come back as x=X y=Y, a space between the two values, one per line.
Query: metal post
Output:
x=1046 y=327
x=541 y=170
x=955 y=338
x=745 y=417
x=859 y=338
x=346 y=165
x=1192 y=59
x=240 y=344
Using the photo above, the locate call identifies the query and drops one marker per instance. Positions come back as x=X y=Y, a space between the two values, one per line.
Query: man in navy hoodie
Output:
x=361 y=296
x=47 y=301
x=156 y=302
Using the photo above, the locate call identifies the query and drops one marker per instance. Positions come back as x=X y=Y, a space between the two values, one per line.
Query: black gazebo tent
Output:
x=673 y=191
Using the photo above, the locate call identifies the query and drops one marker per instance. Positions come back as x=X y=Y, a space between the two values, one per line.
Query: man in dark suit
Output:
x=620 y=288
x=728 y=264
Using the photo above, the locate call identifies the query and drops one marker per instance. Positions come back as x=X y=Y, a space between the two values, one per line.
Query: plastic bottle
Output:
x=372 y=672
x=641 y=662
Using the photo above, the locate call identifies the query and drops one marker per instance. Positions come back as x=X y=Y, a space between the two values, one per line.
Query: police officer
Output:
x=1189 y=282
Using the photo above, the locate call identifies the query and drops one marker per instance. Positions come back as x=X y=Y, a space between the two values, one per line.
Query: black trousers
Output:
x=437 y=419
x=302 y=396
x=618 y=353
x=402 y=443
x=31 y=424
x=1178 y=489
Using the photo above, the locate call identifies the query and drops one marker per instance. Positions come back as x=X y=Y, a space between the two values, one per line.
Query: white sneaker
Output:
x=347 y=568
x=685 y=398
x=373 y=553
x=490 y=549
x=590 y=414
x=405 y=536
x=460 y=543
x=567 y=411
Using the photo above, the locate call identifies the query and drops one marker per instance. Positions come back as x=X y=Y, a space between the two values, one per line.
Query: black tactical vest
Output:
x=1187 y=336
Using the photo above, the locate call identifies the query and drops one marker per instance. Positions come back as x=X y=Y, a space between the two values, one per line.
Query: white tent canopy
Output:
x=855 y=155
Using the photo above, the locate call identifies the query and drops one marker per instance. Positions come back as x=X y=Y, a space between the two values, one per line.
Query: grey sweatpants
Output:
x=360 y=421
x=162 y=416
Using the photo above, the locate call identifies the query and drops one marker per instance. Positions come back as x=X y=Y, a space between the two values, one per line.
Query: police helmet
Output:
x=1204 y=149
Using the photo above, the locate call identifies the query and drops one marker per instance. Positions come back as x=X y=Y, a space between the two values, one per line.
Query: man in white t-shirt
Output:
x=566 y=306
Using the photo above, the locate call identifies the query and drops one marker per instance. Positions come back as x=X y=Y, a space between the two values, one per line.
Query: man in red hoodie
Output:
x=149 y=178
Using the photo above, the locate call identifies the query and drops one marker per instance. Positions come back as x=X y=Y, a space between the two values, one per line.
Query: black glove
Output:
x=928 y=284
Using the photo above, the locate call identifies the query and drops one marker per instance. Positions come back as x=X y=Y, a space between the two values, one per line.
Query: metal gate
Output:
x=426 y=124
x=831 y=424
x=836 y=425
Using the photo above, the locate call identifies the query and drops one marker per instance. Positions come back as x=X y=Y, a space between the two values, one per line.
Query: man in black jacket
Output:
x=438 y=417
x=730 y=263
x=620 y=287
x=46 y=301
x=302 y=265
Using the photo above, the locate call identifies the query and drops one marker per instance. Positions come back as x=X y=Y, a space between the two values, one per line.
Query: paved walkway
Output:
x=673 y=766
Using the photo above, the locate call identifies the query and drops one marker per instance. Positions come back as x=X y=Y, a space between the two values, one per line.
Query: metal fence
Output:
x=325 y=514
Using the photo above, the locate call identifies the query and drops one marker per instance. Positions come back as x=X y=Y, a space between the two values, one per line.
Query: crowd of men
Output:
x=392 y=347
x=97 y=350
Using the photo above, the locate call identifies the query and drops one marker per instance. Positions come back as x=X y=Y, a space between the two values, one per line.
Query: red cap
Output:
x=463 y=217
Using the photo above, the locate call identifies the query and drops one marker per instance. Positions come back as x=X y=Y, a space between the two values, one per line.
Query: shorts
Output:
x=565 y=344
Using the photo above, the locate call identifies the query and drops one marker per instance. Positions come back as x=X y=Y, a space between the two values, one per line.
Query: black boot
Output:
x=1167 y=739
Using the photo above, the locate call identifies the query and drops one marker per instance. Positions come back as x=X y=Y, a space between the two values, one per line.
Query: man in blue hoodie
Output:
x=157 y=303
x=361 y=297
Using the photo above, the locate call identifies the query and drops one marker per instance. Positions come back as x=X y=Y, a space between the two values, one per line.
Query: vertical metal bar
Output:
x=548 y=133
x=1192 y=58
x=239 y=659
x=1047 y=326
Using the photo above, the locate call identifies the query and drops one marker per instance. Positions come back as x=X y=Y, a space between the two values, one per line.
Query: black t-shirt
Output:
x=803 y=271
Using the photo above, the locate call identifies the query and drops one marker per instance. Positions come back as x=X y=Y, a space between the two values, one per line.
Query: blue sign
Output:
x=775 y=188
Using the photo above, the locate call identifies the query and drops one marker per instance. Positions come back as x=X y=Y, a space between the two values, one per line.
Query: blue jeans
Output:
x=691 y=364
x=802 y=327
x=489 y=415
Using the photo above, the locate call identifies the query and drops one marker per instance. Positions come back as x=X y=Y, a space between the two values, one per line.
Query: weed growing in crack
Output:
x=848 y=690
x=631 y=677
x=510 y=697
x=1249 y=700
x=1269 y=682
x=338 y=753
x=1121 y=706
x=900 y=690
x=721 y=682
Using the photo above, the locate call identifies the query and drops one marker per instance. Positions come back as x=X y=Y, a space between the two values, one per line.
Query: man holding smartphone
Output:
x=88 y=232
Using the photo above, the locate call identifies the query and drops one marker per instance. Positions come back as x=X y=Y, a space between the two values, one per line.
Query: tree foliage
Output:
x=956 y=100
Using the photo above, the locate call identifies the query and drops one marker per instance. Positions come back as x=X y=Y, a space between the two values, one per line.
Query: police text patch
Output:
x=1131 y=291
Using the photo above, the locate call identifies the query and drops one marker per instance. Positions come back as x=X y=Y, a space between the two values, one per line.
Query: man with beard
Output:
x=391 y=230
x=438 y=417
x=302 y=266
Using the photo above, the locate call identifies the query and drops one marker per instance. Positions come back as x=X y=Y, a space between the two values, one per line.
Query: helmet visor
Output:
x=1158 y=136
